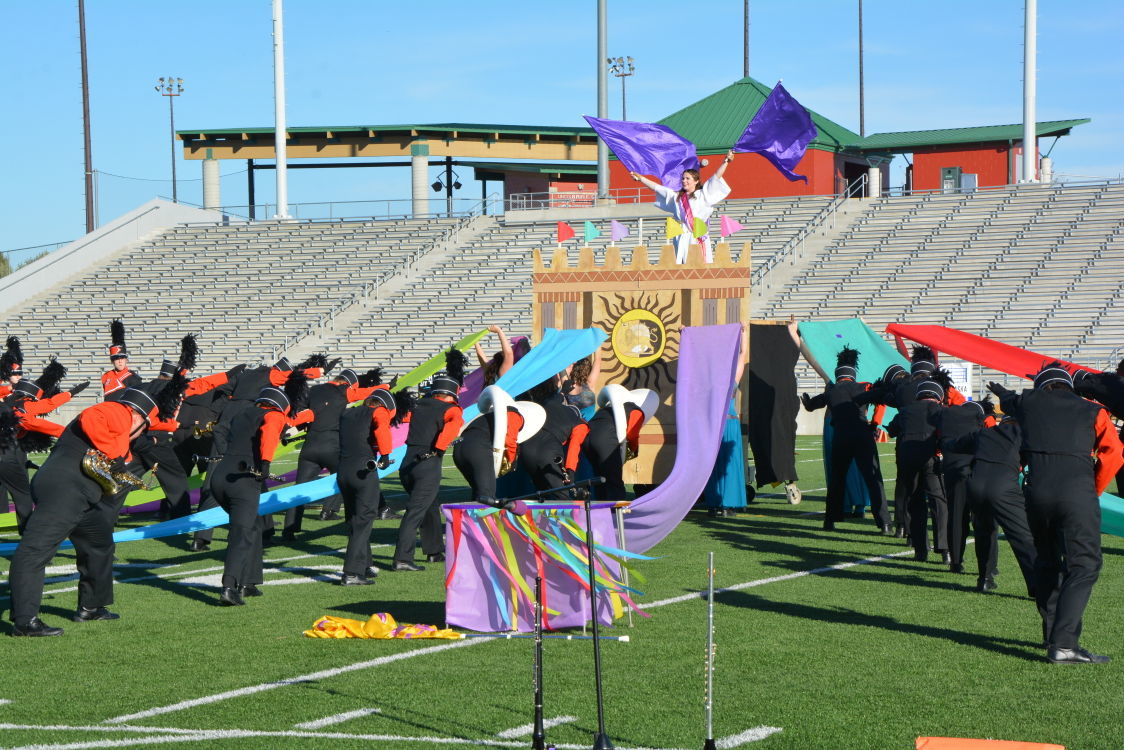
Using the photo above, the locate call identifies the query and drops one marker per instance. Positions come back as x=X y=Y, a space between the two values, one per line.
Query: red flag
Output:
x=565 y=232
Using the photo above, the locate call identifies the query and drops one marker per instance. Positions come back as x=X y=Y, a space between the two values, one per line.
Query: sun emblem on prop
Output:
x=640 y=341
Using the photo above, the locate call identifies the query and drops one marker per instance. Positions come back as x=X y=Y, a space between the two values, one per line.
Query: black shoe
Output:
x=946 y=558
x=900 y=533
x=920 y=555
x=956 y=568
x=439 y=557
x=371 y=572
x=250 y=590
x=230 y=598
x=329 y=516
x=35 y=627
x=985 y=585
x=386 y=514
x=1074 y=656
x=407 y=566
x=98 y=613
x=828 y=525
x=350 y=580
x=886 y=529
x=288 y=536
x=200 y=545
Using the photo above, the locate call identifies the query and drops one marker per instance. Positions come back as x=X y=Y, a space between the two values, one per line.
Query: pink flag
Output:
x=565 y=232
x=618 y=231
x=729 y=226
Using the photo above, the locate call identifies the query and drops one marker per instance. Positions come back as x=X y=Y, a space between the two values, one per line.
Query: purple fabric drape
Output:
x=708 y=358
x=780 y=131
x=648 y=148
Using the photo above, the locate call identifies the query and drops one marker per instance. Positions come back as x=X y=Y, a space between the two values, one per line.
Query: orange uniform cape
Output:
x=381 y=626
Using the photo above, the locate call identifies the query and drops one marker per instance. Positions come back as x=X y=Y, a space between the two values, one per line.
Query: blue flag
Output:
x=780 y=131
x=648 y=148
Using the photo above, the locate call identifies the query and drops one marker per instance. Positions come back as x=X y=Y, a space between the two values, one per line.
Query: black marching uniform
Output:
x=914 y=426
x=364 y=431
x=550 y=456
x=603 y=450
x=954 y=422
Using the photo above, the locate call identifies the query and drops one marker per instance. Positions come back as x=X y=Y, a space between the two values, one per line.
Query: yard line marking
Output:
x=5 y=701
x=162 y=735
x=328 y=721
x=527 y=729
x=774 y=579
x=296 y=680
x=749 y=735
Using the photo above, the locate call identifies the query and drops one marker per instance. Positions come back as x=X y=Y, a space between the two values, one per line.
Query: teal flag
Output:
x=823 y=340
x=591 y=232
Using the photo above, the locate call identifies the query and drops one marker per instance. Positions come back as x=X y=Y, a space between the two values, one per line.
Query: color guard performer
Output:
x=614 y=435
x=488 y=446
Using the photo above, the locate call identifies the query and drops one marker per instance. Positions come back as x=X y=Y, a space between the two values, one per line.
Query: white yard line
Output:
x=527 y=729
x=328 y=721
x=164 y=735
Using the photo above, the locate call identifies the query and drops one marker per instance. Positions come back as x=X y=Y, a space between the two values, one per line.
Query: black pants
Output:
x=473 y=458
x=169 y=473
x=994 y=493
x=848 y=447
x=318 y=453
x=68 y=504
x=956 y=473
x=422 y=480
x=541 y=457
x=603 y=452
x=917 y=473
x=13 y=479
x=359 y=487
x=239 y=492
x=1065 y=521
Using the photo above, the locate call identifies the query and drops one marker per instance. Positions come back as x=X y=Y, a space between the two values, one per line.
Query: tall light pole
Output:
x=280 y=130
x=622 y=68
x=745 y=42
x=1030 y=53
x=602 y=96
x=171 y=88
x=86 y=118
x=862 y=92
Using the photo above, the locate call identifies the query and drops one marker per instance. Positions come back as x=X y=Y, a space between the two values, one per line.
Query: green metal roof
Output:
x=432 y=129
x=713 y=124
x=911 y=139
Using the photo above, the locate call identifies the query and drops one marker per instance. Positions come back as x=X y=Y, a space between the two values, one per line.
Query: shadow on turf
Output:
x=1018 y=649
x=404 y=610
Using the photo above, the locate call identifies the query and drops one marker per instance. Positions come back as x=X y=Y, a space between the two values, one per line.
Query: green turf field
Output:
x=866 y=655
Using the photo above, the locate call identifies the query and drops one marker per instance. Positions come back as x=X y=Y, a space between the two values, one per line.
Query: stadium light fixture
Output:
x=622 y=68
x=171 y=87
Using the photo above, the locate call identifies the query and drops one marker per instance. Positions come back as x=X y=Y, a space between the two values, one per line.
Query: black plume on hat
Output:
x=12 y=359
x=455 y=362
x=117 y=339
x=941 y=377
x=404 y=401
x=314 y=360
x=52 y=375
x=371 y=378
x=847 y=363
x=1053 y=372
x=986 y=404
x=189 y=352
x=922 y=360
x=296 y=390
x=169 y=398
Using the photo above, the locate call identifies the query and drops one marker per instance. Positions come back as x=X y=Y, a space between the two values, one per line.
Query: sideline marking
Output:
x=162 y=735
x=328 y=721
x=5 y=701
x=527 y=729
x=312 y=677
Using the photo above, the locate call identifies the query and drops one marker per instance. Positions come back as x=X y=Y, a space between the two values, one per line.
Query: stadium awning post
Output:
x=1030 y=53
x=250 y=187
x=602 y=98
x=279 y=127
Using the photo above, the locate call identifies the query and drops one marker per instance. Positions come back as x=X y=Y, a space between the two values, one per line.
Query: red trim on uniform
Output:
x=107 y=425
x=359 y=393
x=511 y=439
x=45 y=405
x=879 y=415
x=1109 y=451
x=383 y=441
x=272 y=426
x=454 y=420
x=574 y=445
x=990 y=421
x=155 y=424
x=632 y=430
x=205 y=384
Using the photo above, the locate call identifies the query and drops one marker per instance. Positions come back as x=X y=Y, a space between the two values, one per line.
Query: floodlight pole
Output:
x=1030 y=54
x=279 y=127
x=745 y=42
x=862 y=91
x=86 y=118
x=602 y=97
x=171 y=88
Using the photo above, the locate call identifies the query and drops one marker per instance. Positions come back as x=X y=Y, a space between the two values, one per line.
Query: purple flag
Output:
x=780 y=131
x=648 y=148
x=618 y=231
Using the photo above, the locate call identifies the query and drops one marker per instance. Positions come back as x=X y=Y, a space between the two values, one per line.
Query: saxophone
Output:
x=97 y=466
x=505 y=465
x=629 y=454
x=203 y=430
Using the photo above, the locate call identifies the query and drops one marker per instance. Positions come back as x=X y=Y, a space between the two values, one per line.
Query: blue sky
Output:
x=354 y=62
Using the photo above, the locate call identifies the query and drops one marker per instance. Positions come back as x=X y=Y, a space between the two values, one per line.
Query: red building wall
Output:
x=750 y=176
x=991 y=161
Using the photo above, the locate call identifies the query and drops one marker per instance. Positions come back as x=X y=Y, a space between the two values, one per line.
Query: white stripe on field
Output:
x=527 y=729
x=162 y=735
x=296 y=680
x=5 y=701
x=328 y=721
